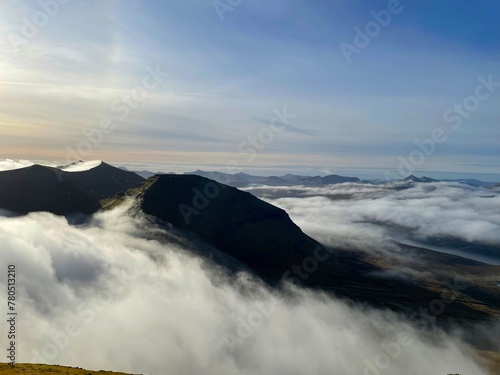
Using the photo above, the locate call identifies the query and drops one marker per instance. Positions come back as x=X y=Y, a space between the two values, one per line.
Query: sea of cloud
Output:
x=79 y=166
x=108 y=294
x=369 y=217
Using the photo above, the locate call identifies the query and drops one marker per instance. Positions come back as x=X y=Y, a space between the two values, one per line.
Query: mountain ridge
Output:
x=243 y=179
x=42 y=188
x=230 y=220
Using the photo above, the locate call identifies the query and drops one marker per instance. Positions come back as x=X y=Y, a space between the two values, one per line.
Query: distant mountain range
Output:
x=467 y=181
x=244 y=179
x=72 y=188
x=242 y=232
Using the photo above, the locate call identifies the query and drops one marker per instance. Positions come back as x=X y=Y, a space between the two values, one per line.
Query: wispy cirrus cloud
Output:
x=360 y=115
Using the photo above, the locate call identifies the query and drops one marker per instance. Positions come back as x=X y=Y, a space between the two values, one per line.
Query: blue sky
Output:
x=224 y=79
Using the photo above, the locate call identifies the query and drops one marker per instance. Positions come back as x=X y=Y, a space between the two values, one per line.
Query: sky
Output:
x=379 y=88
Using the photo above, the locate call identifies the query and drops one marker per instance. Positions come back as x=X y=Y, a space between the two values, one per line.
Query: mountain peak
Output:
x=413 y=178
x=228 y=219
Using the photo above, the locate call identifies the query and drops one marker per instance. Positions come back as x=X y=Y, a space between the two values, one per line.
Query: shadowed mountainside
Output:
x=263 y=238
x=255 y=232
x=103 y=181
x=40 y=188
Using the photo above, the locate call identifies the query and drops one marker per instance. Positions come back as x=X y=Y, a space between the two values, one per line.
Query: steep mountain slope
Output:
x=103 y=181
x=256 y=233
x=264 y=239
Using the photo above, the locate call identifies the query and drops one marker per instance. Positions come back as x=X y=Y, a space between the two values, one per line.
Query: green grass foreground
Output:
x=33 y=369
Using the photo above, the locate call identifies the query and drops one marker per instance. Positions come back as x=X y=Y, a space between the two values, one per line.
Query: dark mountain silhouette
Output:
x=254 y=232
x=244 y=179
x=471 y=182
x=328 y=180
x=40 y=188
x=413 y=178
x=103 y=181
x=293 y=178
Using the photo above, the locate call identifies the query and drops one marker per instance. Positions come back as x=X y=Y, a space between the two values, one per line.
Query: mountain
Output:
x=472 y=182
x=293 y=178
x=239 y=231
x=424 y=179
x=40 y=188
x=248 y=229
x=103 y=181
x=235 y=180
x=329 y=180
x=244 y=179
x=467 y=181
x=263 y=239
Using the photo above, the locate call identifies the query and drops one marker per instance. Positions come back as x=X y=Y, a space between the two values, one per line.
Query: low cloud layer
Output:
x=80 y=166
x=369 y=216
x=8 y=164
x=104 y=296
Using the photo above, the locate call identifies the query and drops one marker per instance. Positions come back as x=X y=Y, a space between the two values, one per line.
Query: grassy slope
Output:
x=491 y=362
x=34 y=369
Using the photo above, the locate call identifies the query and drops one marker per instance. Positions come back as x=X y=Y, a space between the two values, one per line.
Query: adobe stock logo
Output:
x=373 y=28
x=454 y=117
x=223 y=6
x=121 y=109
x=31 y=26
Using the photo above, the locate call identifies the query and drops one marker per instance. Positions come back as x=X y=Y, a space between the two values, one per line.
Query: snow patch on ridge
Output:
x=80 y=166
